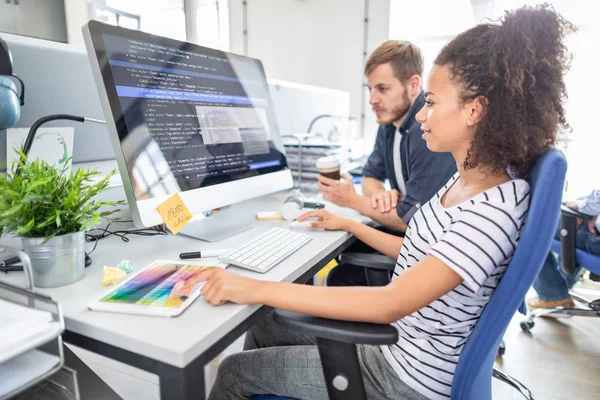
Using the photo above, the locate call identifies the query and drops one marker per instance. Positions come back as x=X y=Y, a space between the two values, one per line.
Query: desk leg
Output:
x=182 y=383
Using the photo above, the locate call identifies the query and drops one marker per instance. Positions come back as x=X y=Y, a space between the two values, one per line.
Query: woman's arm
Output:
x=385 y=243
x=420 y=285
x=389 y=245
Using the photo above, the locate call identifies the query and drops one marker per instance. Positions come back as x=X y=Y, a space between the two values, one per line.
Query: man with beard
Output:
x=394 y=71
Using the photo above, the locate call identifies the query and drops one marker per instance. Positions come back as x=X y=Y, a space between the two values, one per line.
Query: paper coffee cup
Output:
x=329 y=167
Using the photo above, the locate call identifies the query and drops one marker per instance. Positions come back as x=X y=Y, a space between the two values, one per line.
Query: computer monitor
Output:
x=186 y=119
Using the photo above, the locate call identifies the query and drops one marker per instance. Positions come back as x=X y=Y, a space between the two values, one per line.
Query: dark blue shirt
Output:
x=424 y=171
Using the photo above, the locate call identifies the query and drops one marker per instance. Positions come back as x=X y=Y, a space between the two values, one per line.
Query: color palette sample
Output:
x=152 y=286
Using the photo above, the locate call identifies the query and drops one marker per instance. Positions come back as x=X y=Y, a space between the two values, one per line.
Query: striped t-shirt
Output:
x=476 y=239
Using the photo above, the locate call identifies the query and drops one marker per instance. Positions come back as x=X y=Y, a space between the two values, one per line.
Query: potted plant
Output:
x=51 y=208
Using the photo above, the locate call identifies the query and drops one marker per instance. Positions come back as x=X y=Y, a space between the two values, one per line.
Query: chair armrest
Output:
x=567 y=212
x=366 y=260
x=339 y=331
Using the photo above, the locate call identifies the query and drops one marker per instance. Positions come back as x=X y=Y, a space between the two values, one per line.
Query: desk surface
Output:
x=178 y=341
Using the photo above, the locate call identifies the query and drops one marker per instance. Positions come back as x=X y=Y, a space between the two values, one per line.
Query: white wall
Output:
x=315 y=42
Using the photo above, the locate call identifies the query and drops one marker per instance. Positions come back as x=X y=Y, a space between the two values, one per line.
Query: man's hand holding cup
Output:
x=336 y=187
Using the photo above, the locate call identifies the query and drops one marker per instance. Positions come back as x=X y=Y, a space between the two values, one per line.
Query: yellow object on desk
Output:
x=174 y=213
x=112 y=275
x=268 y=215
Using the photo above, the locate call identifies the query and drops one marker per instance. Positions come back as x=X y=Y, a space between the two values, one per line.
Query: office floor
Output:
x=559 y=360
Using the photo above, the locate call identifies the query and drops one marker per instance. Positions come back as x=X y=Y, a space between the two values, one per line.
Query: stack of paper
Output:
x=308 y=157
x=22 y=328
x=20 y=371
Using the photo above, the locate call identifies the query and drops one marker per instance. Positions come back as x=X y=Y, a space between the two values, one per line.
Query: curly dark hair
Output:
x=518 y=67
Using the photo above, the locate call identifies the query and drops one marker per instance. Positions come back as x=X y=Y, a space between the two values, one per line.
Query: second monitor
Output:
x=186 y=119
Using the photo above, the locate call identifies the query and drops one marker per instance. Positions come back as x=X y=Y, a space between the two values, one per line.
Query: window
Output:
x=435 y=22
x=159 y=17
x=212 y=24
x=116 y=17
x=205 y=22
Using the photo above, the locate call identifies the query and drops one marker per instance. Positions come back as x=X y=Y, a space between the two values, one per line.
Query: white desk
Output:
x=177 y=349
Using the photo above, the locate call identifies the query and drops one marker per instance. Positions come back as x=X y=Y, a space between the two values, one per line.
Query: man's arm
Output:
x=374 y=173
x=590 y=204
x=363 y=205
x=371 y=186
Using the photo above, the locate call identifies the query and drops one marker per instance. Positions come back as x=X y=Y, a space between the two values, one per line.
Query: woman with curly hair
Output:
x=494 y=100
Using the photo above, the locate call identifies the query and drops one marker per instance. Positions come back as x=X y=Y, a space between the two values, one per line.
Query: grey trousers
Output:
x=285 y=363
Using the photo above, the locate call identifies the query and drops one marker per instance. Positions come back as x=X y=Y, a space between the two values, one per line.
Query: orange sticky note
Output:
x=174 y=213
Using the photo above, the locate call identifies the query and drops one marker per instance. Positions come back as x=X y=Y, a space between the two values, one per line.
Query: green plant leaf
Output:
x=11 y=211
x=44 y=201
x=36 y=184
x=24 y=230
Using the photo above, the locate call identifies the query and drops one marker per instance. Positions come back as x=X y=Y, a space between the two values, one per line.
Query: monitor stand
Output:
x=220 y=225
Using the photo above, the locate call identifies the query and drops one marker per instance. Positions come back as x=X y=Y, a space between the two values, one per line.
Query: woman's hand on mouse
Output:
x=324 y=219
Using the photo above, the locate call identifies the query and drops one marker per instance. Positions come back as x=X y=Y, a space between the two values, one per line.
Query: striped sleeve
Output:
x=480 y=238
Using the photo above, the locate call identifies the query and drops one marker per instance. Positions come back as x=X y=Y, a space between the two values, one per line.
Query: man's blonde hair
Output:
x=405 y=57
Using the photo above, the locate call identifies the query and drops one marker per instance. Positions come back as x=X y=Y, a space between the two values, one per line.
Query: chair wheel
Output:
x=527 y=325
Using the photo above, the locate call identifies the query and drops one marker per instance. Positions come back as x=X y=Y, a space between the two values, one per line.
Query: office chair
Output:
x=570 y=258
x=337 y=340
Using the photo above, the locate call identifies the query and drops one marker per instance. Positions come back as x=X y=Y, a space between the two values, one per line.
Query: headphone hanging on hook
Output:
x=296 y=205
x=11 y=100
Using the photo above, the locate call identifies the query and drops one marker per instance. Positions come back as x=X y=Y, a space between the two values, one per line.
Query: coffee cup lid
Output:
x=328 y=162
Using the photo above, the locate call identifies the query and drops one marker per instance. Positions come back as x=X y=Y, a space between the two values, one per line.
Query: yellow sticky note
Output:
x=267 y=215
x=174 y=213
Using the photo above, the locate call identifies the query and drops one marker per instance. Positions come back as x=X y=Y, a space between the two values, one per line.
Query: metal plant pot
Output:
x=58 y=262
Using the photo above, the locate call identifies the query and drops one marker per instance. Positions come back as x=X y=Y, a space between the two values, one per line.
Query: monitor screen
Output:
x=187 y=116
x=185 y=119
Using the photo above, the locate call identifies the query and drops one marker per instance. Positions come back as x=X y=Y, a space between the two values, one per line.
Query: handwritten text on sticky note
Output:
x=174 y=213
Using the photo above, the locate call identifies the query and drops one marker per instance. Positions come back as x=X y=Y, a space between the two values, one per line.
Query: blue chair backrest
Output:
x=473 y=375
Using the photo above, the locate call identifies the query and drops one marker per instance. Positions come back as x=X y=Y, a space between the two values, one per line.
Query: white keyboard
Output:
x=267 y=250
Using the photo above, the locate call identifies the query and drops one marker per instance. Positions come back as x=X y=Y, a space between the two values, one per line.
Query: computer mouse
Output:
x=88 y=260
x=304 y=224
x=297 y=224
